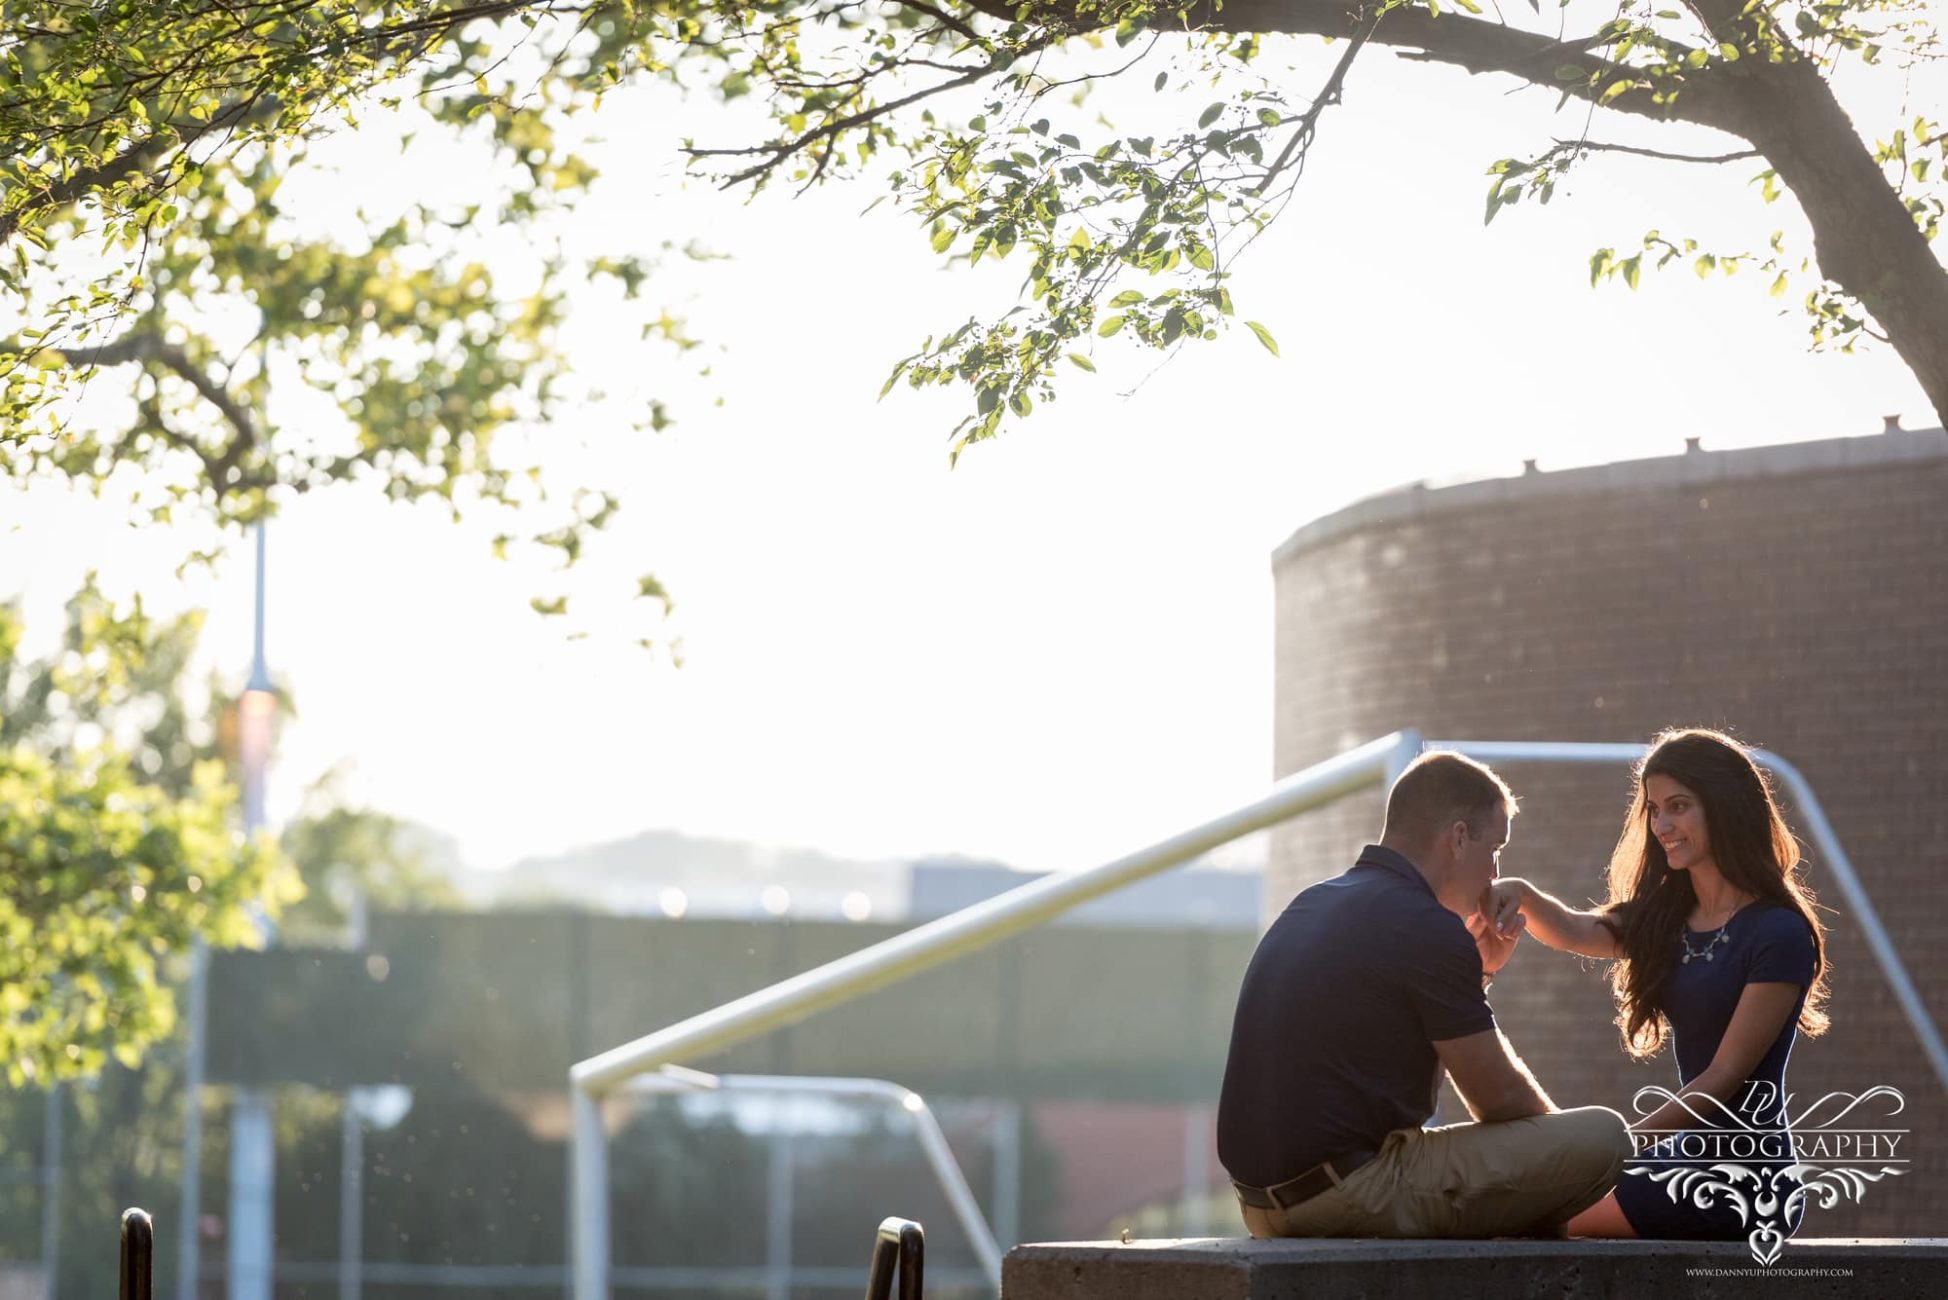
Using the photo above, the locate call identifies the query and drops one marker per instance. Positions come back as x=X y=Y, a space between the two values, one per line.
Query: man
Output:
x=1360 y=994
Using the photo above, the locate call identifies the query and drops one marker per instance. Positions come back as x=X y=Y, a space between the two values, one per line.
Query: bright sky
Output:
x=1060 y=650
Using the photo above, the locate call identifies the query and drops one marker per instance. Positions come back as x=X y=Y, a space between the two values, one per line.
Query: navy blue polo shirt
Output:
x=1332 y=1045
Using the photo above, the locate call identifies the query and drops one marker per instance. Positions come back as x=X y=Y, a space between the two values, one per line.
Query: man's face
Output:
x=1477 y=861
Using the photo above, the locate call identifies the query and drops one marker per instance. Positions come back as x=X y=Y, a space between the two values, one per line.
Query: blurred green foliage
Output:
x=119 y=841
x=106 y=878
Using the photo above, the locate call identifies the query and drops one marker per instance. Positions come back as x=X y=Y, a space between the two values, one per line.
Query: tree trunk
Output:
x=1864 y=238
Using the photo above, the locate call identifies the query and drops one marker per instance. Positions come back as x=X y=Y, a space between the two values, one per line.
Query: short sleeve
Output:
x=1781 y=950
x=1442 y=970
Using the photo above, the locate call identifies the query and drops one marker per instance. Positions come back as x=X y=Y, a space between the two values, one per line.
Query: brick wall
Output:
x=1796 y=596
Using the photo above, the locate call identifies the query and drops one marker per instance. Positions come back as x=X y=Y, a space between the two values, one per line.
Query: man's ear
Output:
x=1457 y=838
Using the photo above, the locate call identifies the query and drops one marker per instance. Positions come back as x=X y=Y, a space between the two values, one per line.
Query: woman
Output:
x=1716 y=944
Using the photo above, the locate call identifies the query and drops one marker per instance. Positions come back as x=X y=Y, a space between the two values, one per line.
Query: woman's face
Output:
x=1677 y=821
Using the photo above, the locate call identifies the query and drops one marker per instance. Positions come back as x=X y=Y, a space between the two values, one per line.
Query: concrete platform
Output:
x=1237 y=1268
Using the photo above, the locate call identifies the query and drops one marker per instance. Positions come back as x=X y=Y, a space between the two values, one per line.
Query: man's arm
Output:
x=1491 y=1079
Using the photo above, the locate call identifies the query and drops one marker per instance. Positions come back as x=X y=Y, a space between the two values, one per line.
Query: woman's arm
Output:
x=1762 y=1012
x=1549 y=919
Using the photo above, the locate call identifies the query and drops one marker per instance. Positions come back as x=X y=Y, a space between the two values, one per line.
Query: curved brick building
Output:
x=1794 y=595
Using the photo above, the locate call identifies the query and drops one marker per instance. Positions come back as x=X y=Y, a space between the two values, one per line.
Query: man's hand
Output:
x=1495 y=945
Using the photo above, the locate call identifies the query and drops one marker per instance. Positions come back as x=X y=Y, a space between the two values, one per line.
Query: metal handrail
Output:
x=674 y=1078
x=1832 y=857
x=138 y=1254
x=900 y=1243
x=909 y=953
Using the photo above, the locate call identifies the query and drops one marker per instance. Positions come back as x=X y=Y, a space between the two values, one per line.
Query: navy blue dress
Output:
x=1731 y=1163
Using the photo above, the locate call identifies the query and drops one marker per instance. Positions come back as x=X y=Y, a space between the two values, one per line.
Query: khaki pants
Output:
x=1467 y=1180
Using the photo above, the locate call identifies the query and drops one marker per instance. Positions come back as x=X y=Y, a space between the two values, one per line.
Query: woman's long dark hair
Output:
x=1649 y=902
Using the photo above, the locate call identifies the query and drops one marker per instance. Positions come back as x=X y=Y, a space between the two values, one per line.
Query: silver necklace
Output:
x=1717 y=937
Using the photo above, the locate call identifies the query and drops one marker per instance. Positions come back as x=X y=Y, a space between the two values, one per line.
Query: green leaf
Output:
x=1264 y=336
x=1211 y=115
x=1110 y=326
x=1081 y=362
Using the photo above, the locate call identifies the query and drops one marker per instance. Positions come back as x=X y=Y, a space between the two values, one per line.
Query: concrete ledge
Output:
x=1236 y=1268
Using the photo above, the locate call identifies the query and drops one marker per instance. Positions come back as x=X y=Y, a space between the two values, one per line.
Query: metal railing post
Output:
x=1864 y=915
x=778 y=1215
x=138 y=1254
x=589 y=1173
x=351 y=1197
x=900 y=1244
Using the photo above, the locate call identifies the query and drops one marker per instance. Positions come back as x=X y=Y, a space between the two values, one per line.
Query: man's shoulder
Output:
x=1370 y=897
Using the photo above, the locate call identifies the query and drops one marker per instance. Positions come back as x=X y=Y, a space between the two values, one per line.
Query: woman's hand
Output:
x=1511 y=905
x=1501 y=905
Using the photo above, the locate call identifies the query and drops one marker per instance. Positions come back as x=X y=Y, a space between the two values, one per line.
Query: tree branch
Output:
x=149 y=348
x=1598 y=146
x=942 y=17
x=1309 y=124
x=139 y=156
x=1475 y=45
x=779 y=151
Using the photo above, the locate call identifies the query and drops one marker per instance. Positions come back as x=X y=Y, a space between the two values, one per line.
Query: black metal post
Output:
x=138 y=1253
x=901 y=1248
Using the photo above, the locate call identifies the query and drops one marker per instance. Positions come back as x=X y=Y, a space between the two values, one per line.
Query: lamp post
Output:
x=253 y=1149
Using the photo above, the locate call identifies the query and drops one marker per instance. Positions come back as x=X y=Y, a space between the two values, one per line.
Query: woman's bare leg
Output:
x=1604 y=1219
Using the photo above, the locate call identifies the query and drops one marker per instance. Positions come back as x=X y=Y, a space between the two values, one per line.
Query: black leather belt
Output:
x=1296 y=1191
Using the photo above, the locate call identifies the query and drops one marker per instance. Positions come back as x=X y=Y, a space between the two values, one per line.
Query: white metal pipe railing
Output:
x=909 y=953
x=1832 y=857
x=933 y=1142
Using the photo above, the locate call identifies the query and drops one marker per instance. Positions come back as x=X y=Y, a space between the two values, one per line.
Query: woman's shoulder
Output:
x=1779 y=945
x=1775 y=920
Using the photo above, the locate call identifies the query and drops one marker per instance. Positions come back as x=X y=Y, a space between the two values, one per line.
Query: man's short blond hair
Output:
x=1440 y=788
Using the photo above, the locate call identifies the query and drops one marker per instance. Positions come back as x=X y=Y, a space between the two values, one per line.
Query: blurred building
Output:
x=1794 y=595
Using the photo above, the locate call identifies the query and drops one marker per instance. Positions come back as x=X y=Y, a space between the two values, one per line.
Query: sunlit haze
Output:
x=1060 y=649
